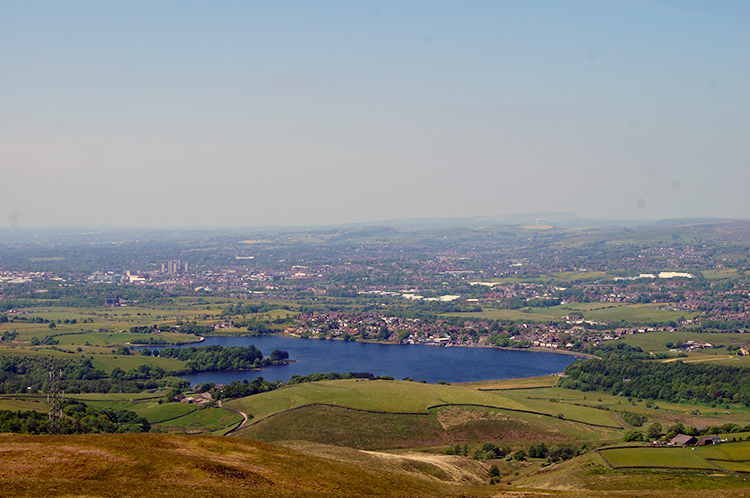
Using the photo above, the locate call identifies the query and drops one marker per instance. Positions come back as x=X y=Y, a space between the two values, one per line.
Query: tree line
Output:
x=674 y=381
x=201 y=359
x=79 y=419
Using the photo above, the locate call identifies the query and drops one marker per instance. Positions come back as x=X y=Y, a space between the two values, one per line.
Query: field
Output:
x=731 y=457
x=656 y=341
x=166 y=417
x=355 y=413
x=98 y=332
x=405 y=397
x=469 y=425
x=201 y=421
x=562 y=277
x=678 y=458
x=664 y=412
x=15 y=404
x=635 y=313
x=522 y=383
x=399 y=414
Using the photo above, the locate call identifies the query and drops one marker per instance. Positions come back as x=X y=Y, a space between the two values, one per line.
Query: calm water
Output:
x=431 y=363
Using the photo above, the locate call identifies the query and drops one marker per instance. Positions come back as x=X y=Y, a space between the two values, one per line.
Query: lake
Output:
x=420 y=362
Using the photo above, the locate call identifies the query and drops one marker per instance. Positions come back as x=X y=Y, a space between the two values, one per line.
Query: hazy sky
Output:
x=214 y=113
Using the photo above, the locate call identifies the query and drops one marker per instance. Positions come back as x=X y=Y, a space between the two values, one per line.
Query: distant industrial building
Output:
x=174 y=266
x=112 y=301
x=105 y=277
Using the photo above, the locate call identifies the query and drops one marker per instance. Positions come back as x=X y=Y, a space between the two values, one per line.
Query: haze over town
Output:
x=184 y=114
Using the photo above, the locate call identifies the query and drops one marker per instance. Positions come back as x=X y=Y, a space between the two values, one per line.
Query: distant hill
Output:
x=562 y=220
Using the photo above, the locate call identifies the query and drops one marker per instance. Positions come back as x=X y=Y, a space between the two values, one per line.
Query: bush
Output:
x=539 y=451
x=494 y=471
x=633 y=435
x=634 y=419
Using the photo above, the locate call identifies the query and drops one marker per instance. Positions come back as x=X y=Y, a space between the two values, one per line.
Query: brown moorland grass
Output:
x=159 y=465
x=442 y=467
x=135 y=465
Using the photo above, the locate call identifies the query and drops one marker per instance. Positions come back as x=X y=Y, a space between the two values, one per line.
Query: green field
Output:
x=200 y=421
x=734 y=466
x=561 y=277
x=448 y=424
x=655 y=341
x=107 y=362
x=109 y=339
x=722 y=274
x=15 y=404
x=150 y=408
x=115 y=397
x=379 y=396
x=666 y=413
x=678 y=458
x=522 y=383
x=733 y=451
x=732 y=457
x=414 y=397
x=419 y=412
x=635 y=313
x=347 y=428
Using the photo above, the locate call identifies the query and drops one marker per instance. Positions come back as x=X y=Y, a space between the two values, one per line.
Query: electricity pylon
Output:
x=54 y=398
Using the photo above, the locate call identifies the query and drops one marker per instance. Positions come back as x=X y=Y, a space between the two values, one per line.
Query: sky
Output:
x=250 y=113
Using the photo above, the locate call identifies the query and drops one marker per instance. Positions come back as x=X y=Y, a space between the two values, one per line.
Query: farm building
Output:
x=683 y=440
x=706 y=440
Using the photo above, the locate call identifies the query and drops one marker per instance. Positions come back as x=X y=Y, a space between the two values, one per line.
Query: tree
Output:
x=383 y=333
x=538 y=451
x=653 y=431
x=279 y=355
x=632 y=435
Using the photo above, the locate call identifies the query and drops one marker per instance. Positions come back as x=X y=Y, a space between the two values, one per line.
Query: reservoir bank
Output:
x=400 y=361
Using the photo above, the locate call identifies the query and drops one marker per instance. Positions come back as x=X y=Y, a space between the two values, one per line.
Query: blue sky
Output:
x=168 y=114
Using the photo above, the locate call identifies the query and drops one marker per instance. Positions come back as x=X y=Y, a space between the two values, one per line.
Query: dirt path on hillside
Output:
x=442 y=468
x=458 y=468
x=243 y=414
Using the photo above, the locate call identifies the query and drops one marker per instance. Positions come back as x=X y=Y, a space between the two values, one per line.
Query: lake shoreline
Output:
x=478 y=346
x=450 y=364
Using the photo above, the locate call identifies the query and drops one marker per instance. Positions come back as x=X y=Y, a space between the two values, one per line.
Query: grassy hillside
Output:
x=732 y=457
x=589 y=475
x=406 y=397
x=401 y=414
